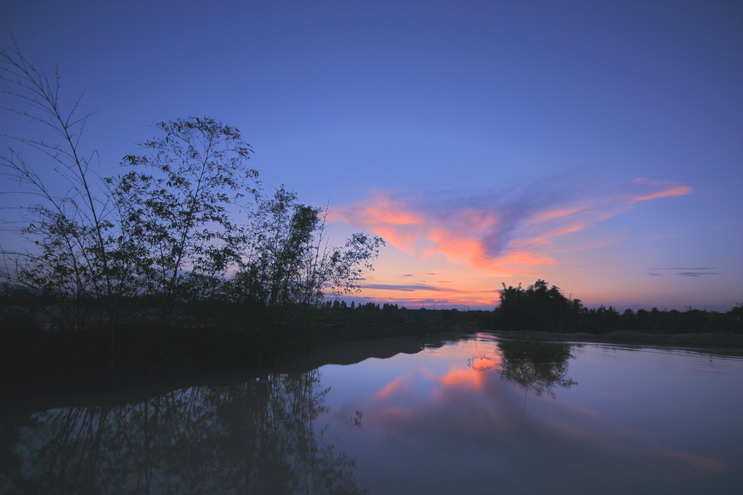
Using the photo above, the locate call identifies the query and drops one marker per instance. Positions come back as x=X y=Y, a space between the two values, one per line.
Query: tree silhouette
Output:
x=538 y=307
x=176 y=205
x=69 y=219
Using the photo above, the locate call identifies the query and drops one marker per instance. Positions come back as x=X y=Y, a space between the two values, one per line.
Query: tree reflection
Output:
x=536 y=366
x=257 y=437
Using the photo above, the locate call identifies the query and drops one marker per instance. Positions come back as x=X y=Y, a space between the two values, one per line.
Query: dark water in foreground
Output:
x=476 y=415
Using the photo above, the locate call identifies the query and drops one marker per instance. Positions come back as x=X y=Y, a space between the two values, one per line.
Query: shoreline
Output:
x=403 y=337
x=719 y=342
x=286 y=353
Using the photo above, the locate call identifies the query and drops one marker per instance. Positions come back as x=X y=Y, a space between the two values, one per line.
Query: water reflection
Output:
x=467 y=385
x=256 y=437
x=483 y=413
x=477 y=414
x=536 y=366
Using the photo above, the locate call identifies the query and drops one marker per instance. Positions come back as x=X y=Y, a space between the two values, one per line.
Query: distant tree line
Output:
x=341 y=310
x=543 y=307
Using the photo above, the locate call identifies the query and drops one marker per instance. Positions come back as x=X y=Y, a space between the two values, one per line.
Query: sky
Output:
x=596 y=145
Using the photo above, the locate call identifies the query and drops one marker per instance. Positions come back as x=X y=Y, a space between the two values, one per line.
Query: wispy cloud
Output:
x=683 y=271
x=498 y=231
x=664 y=190
x=675 y=268
x=406 y=287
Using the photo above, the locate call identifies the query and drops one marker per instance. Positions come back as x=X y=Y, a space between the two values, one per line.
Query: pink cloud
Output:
x=496 y=232
x=674 y=191
x=668 y=190
x=556 y=213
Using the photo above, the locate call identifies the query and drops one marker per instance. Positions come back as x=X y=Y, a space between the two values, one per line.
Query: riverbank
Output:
x=58 y=363
x=727 y=343
x=401 y=337
x=44 y=390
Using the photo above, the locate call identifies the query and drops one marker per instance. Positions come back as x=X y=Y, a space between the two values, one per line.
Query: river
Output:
x=468 y=414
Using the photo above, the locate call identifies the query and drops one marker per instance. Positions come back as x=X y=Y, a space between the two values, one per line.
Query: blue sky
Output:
x=522 y=131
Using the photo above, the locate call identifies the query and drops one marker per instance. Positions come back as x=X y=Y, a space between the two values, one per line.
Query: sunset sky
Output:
x=594 y=144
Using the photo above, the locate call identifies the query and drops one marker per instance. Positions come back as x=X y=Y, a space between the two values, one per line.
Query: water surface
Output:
x=476 y=413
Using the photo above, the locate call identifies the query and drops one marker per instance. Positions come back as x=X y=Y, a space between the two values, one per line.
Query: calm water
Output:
x=476 y=415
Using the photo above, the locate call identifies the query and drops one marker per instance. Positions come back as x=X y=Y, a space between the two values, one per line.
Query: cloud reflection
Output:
x=473 y=409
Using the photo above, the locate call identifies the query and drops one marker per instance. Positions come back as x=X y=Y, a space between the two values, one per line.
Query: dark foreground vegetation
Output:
x=182 y=259
x=202 y=339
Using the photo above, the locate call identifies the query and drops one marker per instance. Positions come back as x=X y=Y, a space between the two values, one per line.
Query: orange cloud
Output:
x=674 y=191
x=495 y=234
x=555 y=214
x=456 y=248
x=457 y=235
x=402 y=239
x=381 y=209
x=568 y=229
x=669 y=189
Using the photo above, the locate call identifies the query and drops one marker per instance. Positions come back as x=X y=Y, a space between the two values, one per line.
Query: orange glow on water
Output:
x=468 y=377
